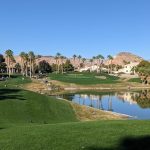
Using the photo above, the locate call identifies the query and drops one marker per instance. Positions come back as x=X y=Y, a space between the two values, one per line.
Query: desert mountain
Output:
x=120 y=59
x=125 y=57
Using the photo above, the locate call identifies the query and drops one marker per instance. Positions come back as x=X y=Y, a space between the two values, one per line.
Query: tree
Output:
x=9 y=55
x=110 y=58
x=3 y=67
x=1 y=58
x=100 y=58
x=68 y=66
x=26 y=61
x=62 y=62
x=74 y=60
x=91 y=61
x=79 y=58
x=44 y=67
x=18 y=67
x=143 y=69
x=57 y=58
x=31 y=62
x=22 y=56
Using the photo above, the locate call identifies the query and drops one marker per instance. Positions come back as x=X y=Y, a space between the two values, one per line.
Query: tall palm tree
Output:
x=74 y=60
x=12 y=61
x=31 y=62
x=17 y=67
x=9 y=55
x=22 y=56
x=79 y=58
x=91 y=61
x=110 y=58
x=83 y=60
x=62 y=63
x=100 y=58
x=26 y=61
x=58 y=55
x=56 y=60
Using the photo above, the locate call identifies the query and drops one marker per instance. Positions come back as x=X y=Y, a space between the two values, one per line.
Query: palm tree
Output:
x=9 y=55
x=74 y=60
x=83 y=60
x=79 y=58
x=100 y=58
x=58 y=61
x=62 y=63
x=17 y=67
x=91 y=61
x=12 y=61
x=110 y=58
x=31 y=62
x=26 y=60
x=22 y=56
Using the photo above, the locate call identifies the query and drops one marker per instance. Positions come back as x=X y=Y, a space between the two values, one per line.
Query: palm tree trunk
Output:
x=58 y=66
x=9 y=65
x=30 y=68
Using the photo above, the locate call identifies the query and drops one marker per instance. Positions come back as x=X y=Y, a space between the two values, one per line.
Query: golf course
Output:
x=28 y=118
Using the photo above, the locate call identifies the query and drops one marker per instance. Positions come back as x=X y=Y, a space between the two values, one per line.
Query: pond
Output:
x=132 y=103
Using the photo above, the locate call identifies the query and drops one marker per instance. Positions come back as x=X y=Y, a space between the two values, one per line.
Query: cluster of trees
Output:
x=143 y=69
x=96 y=60
x=45 y=67
x=28 y=66
x=2 y=64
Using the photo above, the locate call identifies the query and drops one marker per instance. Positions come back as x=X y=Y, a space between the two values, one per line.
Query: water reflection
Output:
x=129 y=102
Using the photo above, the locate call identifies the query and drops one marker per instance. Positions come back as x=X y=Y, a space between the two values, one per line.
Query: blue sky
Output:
x=85 y=27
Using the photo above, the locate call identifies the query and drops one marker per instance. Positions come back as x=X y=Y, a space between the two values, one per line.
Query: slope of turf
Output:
x=85 y=78
x=103 y=135
x=21 y=106
x=14 y=81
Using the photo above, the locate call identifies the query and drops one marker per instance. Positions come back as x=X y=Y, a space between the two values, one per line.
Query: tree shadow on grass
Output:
x=128 y=143
x=10 y=94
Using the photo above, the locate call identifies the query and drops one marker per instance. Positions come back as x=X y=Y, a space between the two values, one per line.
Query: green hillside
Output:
x=21 y=106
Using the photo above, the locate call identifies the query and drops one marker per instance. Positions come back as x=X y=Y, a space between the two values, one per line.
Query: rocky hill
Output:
x=120 y=59
x=124 y=58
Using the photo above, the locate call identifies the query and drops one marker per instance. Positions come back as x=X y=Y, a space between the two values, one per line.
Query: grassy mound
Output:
x=103 y=135
x=85 y=78
x=20 y=106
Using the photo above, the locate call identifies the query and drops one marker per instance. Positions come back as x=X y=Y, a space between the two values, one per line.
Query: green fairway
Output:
x=31 y=121
x=20 y=106
x=102 y=135
x=85 y=78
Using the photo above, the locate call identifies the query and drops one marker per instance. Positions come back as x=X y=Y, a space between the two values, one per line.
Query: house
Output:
x=90 y=68
x=128 y=68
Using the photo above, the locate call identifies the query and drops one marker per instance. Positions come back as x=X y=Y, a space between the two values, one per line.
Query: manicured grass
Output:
x=21 y=106
x=15 y=80
x=138 y=80
x=85 y=78
x=102 y=135
x=31 y=121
